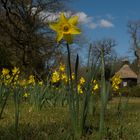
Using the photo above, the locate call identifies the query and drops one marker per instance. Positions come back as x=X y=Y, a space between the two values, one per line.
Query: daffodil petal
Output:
x=68 y=38
x=75 y=30
x=73 y=20
x=63 y=19
x=54 y=26
x=59 y=36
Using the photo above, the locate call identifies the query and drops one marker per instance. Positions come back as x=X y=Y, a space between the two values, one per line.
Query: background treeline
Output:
x=25 y=38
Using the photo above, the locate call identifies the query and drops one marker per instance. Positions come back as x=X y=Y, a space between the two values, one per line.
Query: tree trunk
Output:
x=138 y=78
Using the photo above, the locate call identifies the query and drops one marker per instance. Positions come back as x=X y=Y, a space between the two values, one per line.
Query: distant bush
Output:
x=131 y=91
x=135 y=91
x=125 y=91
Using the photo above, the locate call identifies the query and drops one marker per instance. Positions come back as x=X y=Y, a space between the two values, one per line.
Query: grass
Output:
x=54 y=123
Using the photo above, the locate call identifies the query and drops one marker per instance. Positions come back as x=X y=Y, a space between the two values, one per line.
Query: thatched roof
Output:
x=126 y=72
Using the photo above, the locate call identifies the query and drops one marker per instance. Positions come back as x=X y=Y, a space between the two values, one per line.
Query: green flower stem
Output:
x=103 y=97
x=77 y=95
x=70 y=93
x=16 y=102
x=119 y=106
x=69 y=66
x=4 y=104
x=85 y=110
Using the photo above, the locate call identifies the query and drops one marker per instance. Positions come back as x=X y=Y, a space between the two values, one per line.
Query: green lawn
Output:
x=54 y=123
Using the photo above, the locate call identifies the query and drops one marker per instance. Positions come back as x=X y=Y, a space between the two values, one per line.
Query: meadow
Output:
x=53 y=123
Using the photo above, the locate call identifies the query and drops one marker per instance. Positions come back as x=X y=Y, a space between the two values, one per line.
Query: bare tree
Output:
x=25 y=37
x=134 y=30
x=104 y=46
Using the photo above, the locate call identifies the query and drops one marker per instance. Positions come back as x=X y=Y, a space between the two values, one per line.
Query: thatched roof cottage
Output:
x=128 y=76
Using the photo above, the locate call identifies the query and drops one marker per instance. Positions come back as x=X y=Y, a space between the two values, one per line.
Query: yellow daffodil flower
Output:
x=26 y=95
x=94 y=81
x=55 y=77
x=65 y=28
x=73 y=76
x=82 y=81
x=5 y=71
x=64 y=78
x=95 y=86
x=15 y=70
x=79 y=88
x=31 y=80
x=62 y=68
x=40 y=83
x=116 y=81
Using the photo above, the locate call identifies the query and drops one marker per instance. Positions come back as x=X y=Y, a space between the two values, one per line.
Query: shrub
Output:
x=125 y=91
x=131 y=91
x=135 y=91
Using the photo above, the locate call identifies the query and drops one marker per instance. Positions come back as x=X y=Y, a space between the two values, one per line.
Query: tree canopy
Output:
x=26 y=40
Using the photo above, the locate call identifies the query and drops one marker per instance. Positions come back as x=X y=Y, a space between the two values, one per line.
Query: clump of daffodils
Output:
x=15 y=75
x=31 y=80
x=82 y=81
x=95 y=86
x=116 y=81
x=5 y=76
x=10 y=78
x=5 y=71
x=59 y=75
x=80 y=85
x=55 y=77
x=62 y=73
x=13 y=79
